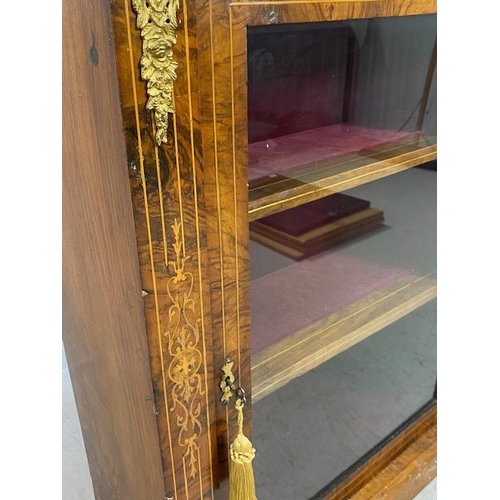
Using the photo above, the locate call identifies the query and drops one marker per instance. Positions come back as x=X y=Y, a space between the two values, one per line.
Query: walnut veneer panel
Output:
x=103 y=317
x=167 y=189
x=226 y=197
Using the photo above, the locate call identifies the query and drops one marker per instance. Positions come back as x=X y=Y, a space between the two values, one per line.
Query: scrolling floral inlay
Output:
x=182 y=338
x=157 y=20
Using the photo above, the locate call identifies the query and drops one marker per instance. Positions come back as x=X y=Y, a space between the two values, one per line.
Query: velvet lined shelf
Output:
x=312 y=164
x=331 y=303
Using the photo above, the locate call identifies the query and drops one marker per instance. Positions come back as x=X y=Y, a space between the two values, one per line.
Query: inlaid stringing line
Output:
x=185 y=477
x=217 y=190
x=200 y=281
x=236 y=220
x=178 y=170
x=160 y=193
x=201 y=481
x=151 y=255
x=277 y=3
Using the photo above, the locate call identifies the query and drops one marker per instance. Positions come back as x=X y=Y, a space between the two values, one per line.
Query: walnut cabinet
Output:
x=251 y=180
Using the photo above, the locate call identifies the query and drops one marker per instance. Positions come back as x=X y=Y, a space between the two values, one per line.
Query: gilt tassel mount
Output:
x=157 y=20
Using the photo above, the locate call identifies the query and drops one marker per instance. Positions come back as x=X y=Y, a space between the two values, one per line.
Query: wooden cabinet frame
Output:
x=156 y=267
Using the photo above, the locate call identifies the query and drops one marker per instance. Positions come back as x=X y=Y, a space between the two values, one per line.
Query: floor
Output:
x=358 y=397
x=76 y=482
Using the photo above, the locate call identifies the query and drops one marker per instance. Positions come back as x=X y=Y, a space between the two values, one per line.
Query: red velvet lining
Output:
x=302 y=293
x=309 y=147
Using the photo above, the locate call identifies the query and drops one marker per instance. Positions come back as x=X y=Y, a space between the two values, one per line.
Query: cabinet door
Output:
x=322 y=187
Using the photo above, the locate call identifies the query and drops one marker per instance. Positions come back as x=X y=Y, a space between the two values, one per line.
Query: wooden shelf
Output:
x=309 y=347
x=299 y=186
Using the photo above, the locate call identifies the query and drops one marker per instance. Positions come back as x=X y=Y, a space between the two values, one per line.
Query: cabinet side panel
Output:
x=167 y=187
x=103 y=318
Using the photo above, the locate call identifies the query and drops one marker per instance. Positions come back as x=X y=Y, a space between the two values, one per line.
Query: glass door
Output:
x=342 y=209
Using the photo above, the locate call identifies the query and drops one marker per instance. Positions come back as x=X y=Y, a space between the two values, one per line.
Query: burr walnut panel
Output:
x=167 y=196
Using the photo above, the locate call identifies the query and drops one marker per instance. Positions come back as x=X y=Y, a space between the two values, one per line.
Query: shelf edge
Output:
x=271 y=369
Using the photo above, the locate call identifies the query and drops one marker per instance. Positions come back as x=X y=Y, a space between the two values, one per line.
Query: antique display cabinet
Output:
x=249 y=201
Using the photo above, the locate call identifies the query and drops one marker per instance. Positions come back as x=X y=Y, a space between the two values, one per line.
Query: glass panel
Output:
x=370 y=288
x=329 y=102
x=311 y=430
x=343 y=241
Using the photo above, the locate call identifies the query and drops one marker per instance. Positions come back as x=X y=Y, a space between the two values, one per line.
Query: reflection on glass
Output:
x=343 y=241
x=343 y=339
x=311 y=430
x=324 y=98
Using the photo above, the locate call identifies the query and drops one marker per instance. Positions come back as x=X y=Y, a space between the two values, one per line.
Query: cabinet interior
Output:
x=334 y=105
x=342 y=218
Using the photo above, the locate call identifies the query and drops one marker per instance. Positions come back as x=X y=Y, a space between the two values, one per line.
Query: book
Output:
x=304 y=231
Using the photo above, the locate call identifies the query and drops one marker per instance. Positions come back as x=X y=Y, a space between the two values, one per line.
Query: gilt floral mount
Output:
x=157 y=20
